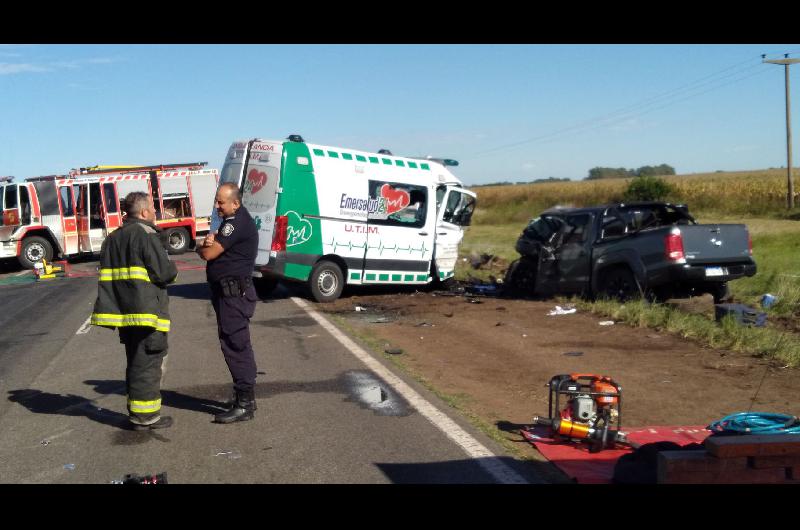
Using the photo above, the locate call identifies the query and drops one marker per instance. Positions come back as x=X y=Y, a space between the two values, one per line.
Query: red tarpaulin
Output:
x=574 y=458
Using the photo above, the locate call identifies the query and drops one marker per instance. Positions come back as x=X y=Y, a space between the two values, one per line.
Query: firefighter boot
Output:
x=242 y=410
x=228 y=405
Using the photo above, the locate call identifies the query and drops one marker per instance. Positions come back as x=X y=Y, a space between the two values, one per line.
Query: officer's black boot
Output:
x=228 y=405
x=242 y=410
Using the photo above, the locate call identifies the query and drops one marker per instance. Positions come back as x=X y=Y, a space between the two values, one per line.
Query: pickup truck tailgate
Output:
x=715 y=243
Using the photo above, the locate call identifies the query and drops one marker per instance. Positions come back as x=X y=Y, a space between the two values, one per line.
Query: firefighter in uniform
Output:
x=231 y=256
x=132 y=297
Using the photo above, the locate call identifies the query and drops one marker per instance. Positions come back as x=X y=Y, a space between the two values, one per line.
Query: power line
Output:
x=626 y=112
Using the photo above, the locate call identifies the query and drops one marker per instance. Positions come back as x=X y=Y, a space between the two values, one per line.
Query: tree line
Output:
x=597 y=173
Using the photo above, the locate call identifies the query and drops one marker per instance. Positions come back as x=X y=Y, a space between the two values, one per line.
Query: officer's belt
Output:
x=232 y=287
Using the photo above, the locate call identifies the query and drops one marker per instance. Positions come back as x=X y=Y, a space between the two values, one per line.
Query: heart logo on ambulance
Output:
x=298 y=230
x=396 y=200
x=256 y=180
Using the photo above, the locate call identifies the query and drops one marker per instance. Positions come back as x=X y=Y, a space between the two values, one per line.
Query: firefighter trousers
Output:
x=146 y=351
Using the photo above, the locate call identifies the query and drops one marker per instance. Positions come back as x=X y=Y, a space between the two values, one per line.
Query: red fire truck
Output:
x=69 y=215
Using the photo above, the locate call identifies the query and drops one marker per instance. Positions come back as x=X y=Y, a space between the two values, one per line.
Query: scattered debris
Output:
x=499 y=324
x=474 y=301
x=160 y=478
x=500 y=308
x=358 y=309
x=424 y=325
x=232 y=455
x=448 y=315
x=380 y=320
x=393 y=351
x=742 y=314
x=70 y=467
x=573 y=353
x=561 y=311
x=607 y=323
x=768 y=300
x=45 y=442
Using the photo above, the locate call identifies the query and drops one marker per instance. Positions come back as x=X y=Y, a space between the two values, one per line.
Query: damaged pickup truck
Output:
x=645 y=249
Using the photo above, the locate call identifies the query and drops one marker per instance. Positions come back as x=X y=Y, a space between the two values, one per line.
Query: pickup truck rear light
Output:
x=674 y=246
x=749 y=243
x=280 y=233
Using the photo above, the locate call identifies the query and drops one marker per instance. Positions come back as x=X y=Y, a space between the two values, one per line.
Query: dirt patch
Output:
x=495 y=356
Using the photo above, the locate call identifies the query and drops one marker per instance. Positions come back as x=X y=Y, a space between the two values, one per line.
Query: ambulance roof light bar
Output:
x=442 y=161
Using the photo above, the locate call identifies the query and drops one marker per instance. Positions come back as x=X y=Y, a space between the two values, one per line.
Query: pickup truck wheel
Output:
x=177 y=240
x=326 y=281
x=619 y=284
x=520 y=277
x=264 y=286
x=34 y=250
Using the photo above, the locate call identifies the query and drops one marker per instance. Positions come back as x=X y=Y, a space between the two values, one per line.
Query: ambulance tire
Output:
x=264 y=286
x=34 y=249
x=177 y=240
x=326 y=282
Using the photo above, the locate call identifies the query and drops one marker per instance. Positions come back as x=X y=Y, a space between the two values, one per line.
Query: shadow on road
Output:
x=40 y=402
x=190 y=291
x=468 y=471
x=169 y=398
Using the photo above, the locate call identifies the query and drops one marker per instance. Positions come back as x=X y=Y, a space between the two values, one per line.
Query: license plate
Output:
x=714 y=271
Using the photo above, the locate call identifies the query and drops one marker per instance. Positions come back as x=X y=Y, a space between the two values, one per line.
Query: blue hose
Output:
x=757 y=423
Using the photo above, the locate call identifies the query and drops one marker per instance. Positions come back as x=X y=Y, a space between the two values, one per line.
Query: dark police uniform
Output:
x=234 y=297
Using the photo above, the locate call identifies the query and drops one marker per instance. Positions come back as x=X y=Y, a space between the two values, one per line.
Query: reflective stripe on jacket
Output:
x=134 y=273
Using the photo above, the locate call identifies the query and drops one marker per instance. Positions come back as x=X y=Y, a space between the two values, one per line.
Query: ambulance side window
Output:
x=65 y=196
x=407 y=203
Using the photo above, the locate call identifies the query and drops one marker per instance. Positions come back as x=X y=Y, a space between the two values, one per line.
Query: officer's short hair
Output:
x=235 y=192
x=135 y=202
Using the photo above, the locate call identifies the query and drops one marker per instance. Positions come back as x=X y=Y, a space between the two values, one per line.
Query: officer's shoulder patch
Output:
x=227 y=229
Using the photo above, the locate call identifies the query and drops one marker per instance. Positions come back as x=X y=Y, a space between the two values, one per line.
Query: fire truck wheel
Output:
x=34 y=250
x=326 y=281
x=264 y=286
x=177 y=240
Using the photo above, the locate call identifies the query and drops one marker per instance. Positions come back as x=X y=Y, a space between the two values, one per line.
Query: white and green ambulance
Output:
x=332 y=216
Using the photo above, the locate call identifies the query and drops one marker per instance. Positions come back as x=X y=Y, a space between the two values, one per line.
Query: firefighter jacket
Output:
x=134 y=273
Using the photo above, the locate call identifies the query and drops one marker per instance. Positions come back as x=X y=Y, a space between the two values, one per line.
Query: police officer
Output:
x=132 y=297
x=231 y=256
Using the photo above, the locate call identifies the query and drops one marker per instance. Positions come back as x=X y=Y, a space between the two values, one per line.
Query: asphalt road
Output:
x=326 y=413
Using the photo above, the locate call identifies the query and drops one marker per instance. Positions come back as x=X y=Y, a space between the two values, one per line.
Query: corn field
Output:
x=756 y=193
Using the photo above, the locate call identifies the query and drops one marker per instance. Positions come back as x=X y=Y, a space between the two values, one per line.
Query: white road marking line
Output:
x=21 y=273
x=486 y=459
x=84 y=329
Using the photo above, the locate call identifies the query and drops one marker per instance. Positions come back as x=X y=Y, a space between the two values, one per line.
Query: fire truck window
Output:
x=25 y=206
x=111 y=197
x=65 y=197
x=96 y=217
x=11 y=197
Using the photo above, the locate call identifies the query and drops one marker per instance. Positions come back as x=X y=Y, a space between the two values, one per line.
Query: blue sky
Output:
x=506 y=112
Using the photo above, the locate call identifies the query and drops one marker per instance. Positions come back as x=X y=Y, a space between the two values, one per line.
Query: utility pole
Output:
x=786 y=62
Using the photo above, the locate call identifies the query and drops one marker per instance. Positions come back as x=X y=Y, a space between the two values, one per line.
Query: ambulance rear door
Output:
x=232 y=171
x=202 y=189
x=260 y=191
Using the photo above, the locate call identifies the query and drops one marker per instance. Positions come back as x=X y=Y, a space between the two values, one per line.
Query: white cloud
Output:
x=19 y=68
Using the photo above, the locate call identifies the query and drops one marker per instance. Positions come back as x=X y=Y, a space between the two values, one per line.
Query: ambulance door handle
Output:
x=423 y=233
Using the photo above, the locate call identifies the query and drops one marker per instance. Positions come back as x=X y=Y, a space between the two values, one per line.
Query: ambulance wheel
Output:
x=177 y=240
x=326 y=282
x=264 y=286
x=34 y=250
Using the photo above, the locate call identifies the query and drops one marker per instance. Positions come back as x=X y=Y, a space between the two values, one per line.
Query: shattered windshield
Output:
x=542 y=228
x=653 y=216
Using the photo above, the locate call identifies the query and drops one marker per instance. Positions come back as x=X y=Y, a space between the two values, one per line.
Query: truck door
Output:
x=82 y=216
x=573 y=258
x=202 y=189
x=260 y=191
x=110 y=208
x=455 y=212
x=69 y=223
x=400 y=233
